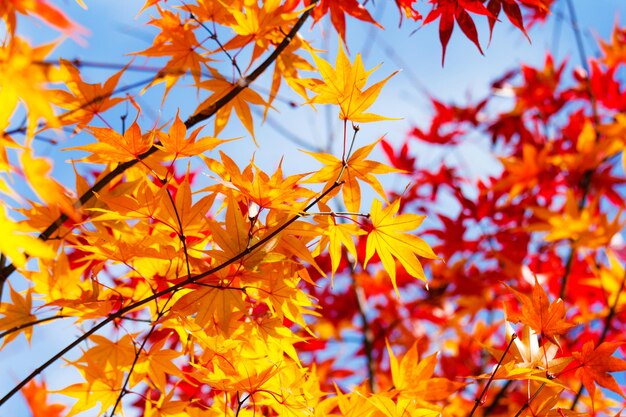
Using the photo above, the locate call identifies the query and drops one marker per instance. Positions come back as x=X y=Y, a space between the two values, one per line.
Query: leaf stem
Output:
x=479 y=400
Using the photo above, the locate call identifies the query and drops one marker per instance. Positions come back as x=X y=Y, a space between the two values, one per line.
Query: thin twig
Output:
x=479 y=400
x=30 y=324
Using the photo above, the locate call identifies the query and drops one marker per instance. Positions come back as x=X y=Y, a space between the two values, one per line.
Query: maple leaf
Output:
x=177 y=41
x=591 y=149
x=511 y=10
x=402 y=407
x=406 y=7
x=447 y=11
x=37 y=173
x=387 y=239
x=157 y=364
x=23 y=79
x=264 y=25
x=109 y=355
x=217 y=307
x=584 y=226
x=521 y=174
x=84 y=101
x=16 y=244
x=547 y=319
x=260 y=190
x=166 y=406
x=43 y=10
x=355 y=168
x=115 y=148
x=526 y=353
x=413 y=377
x=240 y=103
x=595 y=365
x=176 y=141
x=614 y=52
x=16 y=314
x=36 y=397
x=344 y=85
x=338 y=235
x=100 y=387
x=338 y=10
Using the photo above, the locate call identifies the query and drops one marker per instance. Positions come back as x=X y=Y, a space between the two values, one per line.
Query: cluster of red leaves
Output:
x=448 y=12
x=541 y=238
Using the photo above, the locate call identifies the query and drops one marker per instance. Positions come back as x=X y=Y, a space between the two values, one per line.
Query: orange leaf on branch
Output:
x=545 y=318
x=596 y=364
x=84 y=101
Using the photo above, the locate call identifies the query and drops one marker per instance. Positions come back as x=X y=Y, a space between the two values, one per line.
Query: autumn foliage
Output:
x=199 y=286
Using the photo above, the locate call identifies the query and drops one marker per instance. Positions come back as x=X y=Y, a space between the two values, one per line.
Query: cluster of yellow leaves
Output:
x=23 y=78
x=343 y=85
x=585 y=227
x=218 y=273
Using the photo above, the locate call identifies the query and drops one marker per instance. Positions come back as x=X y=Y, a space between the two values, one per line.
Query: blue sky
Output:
x=115 y=31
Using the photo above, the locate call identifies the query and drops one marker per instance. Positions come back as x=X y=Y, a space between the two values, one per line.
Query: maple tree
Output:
x=234 y=294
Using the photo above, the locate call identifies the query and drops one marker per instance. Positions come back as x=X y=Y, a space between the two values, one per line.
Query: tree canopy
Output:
x=189 y=283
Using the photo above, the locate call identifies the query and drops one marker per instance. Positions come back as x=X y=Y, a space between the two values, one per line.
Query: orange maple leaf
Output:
x=415 y=376
x=46 y=12
x=23 y=78
x=355 y=168
x=178 y=42
x=15 y=314
x=36 y=397
x=595 y=365
x=115 y=148
x=547 y=319
x=241 y=103
x=84 y=101
x=176 y=141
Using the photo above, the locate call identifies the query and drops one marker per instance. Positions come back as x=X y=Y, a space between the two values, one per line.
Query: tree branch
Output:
x=161 y=293
x=210 y=111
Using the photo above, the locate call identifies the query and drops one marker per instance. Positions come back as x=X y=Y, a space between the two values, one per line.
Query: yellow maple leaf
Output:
x=23 y=78
x=355 y=168
x=344 y=86
x=16 y=314
x=583 y=226
x=100 y=387
x=15 y=244
x=338 y=235
x=388 y=239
